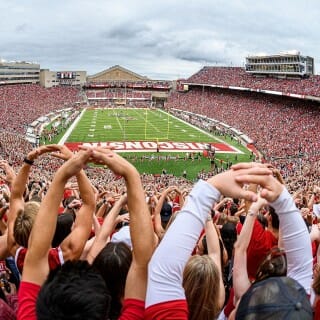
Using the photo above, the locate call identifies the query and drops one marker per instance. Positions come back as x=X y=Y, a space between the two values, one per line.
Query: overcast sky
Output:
x=164 y=39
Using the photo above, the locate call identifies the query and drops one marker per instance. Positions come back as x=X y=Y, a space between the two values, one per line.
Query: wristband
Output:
x=30 y=162
x=252 y=214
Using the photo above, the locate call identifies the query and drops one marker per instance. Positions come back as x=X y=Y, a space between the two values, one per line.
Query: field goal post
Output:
x=165 y=137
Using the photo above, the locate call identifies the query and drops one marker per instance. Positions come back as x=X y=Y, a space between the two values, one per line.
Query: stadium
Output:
x=237 y=113
x=174 y=133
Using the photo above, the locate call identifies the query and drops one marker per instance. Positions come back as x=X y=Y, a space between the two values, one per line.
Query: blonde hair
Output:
x=24 y=222
x=201 y=282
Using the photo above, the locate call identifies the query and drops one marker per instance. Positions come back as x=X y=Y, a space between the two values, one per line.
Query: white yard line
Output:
x=119 y=123
x=70 y=129
x=203 y=131
x=148 y=121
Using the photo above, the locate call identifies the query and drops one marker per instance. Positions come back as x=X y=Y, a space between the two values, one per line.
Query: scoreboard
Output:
x=66 y=75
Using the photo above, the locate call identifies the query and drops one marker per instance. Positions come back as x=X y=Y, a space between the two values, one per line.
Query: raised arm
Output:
x=141 y=231
x=107 y=227
x=18 y=188
x=36 y=266
x=168 y=262
x=241 y=280
x=9 y=172
x=294 y=233
x=157 y=217
x=214 y=253
x=74 y=243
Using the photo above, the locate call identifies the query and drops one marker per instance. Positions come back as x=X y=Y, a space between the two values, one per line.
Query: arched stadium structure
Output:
x=281 y=116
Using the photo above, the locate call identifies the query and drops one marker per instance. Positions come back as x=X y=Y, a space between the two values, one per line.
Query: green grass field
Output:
x=105 y=125
x=134 y=125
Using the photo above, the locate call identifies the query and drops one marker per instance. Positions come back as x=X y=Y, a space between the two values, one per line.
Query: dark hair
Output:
x=233 y=209
x=262 y=220
x=73 y=291
x=67 y=201
x=275 y=218
x=113 y=263
x=204 y=244
x=63 y=228
x=274 y=265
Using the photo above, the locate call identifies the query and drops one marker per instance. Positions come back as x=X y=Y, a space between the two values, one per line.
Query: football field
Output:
x=140 y=130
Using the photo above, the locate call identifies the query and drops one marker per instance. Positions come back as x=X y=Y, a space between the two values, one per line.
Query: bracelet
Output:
x=209 y=217
x=252 y=214
x=30 y=162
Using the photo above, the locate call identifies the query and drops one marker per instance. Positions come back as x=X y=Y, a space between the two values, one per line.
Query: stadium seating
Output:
x=279 y=126
x=22 y=104
x=236 y=76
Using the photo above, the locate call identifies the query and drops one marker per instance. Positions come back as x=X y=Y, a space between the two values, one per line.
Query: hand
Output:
x=75 y=204
x=230 y=183
x=256 y=206
x=116 y=163
x=123 y=199
x=35 y=153
x=75 y=164
x=123 y=218
x=253 y=173
x=63 y=153
x=10 y=174
x=170 y=189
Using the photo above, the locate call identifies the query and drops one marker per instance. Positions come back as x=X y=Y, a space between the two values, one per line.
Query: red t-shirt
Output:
x=55 y=258
x=169 y=310
x=316 y=309
x=27 y=297
x=260 y=244
x=133 y=309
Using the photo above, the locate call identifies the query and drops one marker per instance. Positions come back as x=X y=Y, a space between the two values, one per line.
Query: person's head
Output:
x=66 y=201
x=202 y=247
x=274 y=265
x=24 y=222
x=165 y=213
x=74 y=291
x=233 y=209
x=201 y=282
x=274 y=298
x=63 y=228
x=113 y=263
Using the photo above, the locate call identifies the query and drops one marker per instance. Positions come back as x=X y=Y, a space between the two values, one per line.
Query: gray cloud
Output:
x=21 y=27
x=163 y=39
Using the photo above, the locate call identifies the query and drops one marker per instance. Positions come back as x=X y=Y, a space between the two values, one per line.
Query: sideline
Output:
x=70 y=129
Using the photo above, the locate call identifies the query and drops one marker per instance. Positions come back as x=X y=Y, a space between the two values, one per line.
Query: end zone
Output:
x=161 y=146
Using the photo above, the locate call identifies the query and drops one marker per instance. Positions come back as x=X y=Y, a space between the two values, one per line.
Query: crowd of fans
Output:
x=284 y=130
x=194 y=241
x=237 y=77
x=22 y=104
x=291 y=123
x=108 y=225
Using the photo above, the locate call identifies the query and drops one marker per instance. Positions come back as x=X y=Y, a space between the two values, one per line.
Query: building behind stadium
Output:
x=23 y=72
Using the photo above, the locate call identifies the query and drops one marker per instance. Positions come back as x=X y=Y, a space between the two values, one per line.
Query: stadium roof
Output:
x=113 y=73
